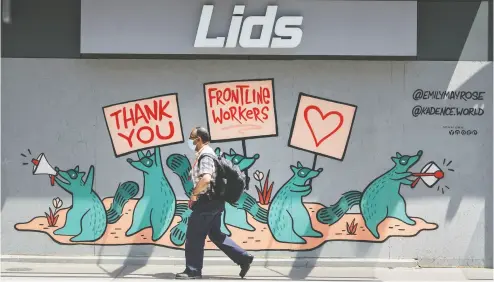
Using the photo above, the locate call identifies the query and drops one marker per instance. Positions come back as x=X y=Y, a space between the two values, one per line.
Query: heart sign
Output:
x=330 y=125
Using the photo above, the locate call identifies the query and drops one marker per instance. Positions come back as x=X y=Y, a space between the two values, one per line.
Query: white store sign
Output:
x=254 y=27
x=241 y=28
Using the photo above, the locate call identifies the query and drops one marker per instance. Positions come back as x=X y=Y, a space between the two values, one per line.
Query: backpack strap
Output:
x=215 y=160
x=206 y=155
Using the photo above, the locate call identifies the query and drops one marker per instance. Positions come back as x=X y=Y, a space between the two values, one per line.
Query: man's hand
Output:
x=192 y=200
x=200 y=187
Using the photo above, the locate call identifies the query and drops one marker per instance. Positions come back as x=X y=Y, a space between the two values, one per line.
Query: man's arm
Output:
x=202 y=184
x=206 y=169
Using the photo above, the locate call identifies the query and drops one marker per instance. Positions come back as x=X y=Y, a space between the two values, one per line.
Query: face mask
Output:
x=191 y=144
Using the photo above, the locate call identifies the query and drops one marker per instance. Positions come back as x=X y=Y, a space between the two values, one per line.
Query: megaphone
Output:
x=42 y=167
x=430 y=175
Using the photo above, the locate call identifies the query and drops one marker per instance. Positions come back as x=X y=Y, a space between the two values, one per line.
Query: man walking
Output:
x=206 y=213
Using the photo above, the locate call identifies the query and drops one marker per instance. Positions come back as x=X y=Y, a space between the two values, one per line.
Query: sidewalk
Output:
x=17 y=271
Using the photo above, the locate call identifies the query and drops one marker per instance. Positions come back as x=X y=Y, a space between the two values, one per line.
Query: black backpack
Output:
x=230 y=182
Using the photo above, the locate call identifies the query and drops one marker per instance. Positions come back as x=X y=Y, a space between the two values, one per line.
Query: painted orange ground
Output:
x=260 y=239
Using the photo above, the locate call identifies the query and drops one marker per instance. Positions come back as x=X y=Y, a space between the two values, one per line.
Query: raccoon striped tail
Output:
x=333 y=213
x=180 y=165
x=178 y=233
x=181 y=208
x=249 y=204
x=125 y=192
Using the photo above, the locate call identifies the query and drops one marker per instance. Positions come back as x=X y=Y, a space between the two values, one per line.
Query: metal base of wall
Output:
x=258 y=261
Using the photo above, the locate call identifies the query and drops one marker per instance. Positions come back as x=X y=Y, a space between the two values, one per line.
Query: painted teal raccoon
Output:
x=235 y=215
x=156 y=207
x=288 y=218
x=87 y=218
x=380 y=199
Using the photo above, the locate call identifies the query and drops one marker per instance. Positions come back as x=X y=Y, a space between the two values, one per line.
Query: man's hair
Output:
x=203 y=134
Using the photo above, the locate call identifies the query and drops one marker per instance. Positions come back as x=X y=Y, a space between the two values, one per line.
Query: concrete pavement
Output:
x=21 y=271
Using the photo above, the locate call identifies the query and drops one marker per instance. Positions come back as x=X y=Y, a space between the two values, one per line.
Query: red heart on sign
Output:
x=323 y=117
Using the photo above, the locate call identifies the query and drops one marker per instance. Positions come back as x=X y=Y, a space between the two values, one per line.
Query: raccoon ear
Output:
x=232 y=152
x=76 y=168
x=398 y=155
x=294 y=168
x=299 y=164
x=148 y=154
x=140 y=154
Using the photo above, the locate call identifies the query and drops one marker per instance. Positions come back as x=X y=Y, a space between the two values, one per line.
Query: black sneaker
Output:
x=246 y=266
x=188 y=275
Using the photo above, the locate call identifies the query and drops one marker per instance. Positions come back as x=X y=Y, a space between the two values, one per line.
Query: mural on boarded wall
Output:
x=279 y=219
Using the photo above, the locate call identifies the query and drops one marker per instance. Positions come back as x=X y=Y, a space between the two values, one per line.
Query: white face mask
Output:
x=191 y=144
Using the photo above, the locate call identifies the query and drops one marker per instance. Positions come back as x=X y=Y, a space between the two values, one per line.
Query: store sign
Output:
x=249 y=28
x=287 y=31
